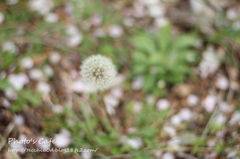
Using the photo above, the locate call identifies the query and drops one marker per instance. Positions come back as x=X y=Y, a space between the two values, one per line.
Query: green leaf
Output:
x=147 y=131
x=4 y=84
x=107 y=49
x=105 y=141
x=164 y=38
x=7 y=59
x=163 y=114
x=18 y=105
x=198 y=143
x=149 y=83
x=174 y=78
x=30 y=97
x=219 y=148
x=216 y=127
x=184 y=41
x=116 y=151
x=142 y=155
x=139 y=57
x=86 y=114
x=139 y=69
x=155 y=59
x=144 y=43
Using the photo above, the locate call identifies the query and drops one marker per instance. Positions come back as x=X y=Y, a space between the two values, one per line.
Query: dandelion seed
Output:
x=98 y=71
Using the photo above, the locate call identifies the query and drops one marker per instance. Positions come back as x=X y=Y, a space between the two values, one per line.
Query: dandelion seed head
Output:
x=99 y=71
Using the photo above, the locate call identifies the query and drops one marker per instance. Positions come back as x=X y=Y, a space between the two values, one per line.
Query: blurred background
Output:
x=176 y=94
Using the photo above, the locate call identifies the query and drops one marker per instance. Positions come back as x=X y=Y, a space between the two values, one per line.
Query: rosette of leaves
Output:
x=163 y=60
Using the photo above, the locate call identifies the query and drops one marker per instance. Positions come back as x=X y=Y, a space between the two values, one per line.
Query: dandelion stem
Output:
x=105 y=109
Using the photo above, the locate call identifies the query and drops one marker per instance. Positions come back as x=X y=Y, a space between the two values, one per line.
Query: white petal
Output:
x=210 y=62
x=3 y=75
x=61 y=140
x=19 y=120
x=12 y=2
x=132 y=130
x=43 y=88
x=222 y=83
x=96 y=19
x=139 y=10
x=110 y=109
x=169 y=130
x=163 y=104
x=51 y=18
x=111 y=101
x=80 y=87
x=55 y=57
x=156 y=11
x=197 y=6
x=35 y=74
x=128 y=21
x=10 y=94
x=74 y=74
x=150 y=99
x=99 y=32
x=27 y=63
x=117 y=92
x=6 y=103
x=74 y=36
x=1 y=17
x=232 y=14
x=75 y=40
x=119 y=79
x=65 y=132
x=185 y=114
x=158 y=153
x=18 y=80
x=176 y=120
x=236 y=25
x=225 y=107
x=168 y=155
x=232 y=154
x=135 y=143
x=161 y=21
x=235 y=118
x=115 y=31
x=137 y=83
x=220 y=119
x=192 y=100
x=17 y=147
x=86 y=155
x=69 y=8
x=174 y=142
x=209 y=103
x=150 y=2
x=57 y=109
x=9 y=46
x=72 y=30
x=41 y=6
x=48 y=71
x=137 y=107
x=43 y=145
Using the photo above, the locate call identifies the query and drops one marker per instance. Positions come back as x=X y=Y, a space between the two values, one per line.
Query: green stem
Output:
x=105 y=110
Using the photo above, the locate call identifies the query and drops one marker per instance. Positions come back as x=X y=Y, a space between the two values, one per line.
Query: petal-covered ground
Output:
x=175 y=95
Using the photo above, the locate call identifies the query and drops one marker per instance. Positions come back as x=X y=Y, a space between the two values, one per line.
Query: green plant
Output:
x=25 y=97
x=229 y=38
x=161 y=58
